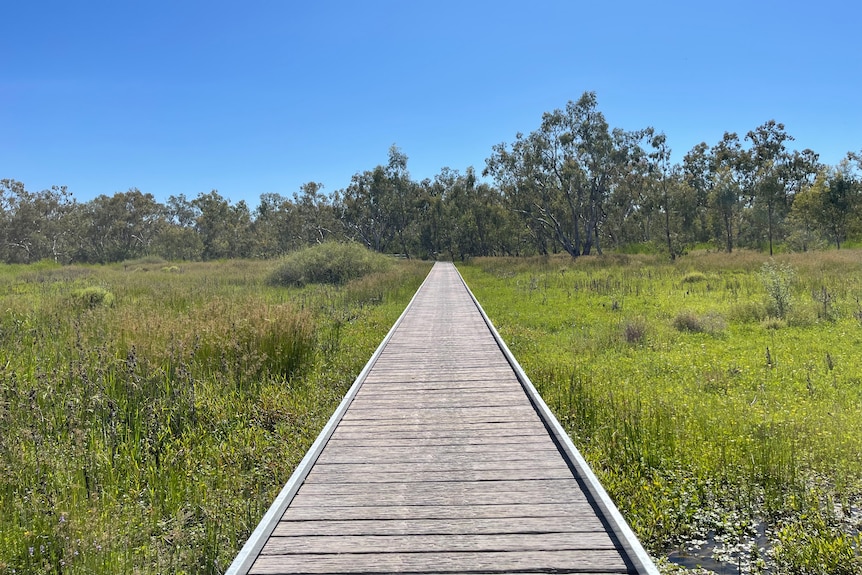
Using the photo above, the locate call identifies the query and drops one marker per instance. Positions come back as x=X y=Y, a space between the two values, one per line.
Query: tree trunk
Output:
x=667 y=231
x=728 y=229
x=769 y=227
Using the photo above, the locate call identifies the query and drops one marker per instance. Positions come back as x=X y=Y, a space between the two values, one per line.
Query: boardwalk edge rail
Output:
x=627 y=538
x=244 y=560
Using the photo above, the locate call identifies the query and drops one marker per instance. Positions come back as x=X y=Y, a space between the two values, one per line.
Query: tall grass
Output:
x=150 y=435
x=703 y=419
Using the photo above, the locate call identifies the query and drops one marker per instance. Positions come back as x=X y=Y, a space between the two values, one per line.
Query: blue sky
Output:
x=186 y=96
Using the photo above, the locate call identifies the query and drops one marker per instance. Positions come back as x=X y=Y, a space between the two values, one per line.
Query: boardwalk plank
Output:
x=511 y=542
x=524 y=442
x=417 y=420
x=444 y=416
x=384 y=498
x=557 y=487
x=439 y=449
x=421 y=468
x=440 y=464
x=458 y=526
x=420 y=456
x=499 y=434
x=599 y=561
x=568 y=511
x=448 y=475
x=399 y=397
x=457 y=427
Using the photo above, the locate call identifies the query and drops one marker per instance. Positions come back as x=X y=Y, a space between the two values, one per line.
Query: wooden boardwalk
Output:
x=442 y=459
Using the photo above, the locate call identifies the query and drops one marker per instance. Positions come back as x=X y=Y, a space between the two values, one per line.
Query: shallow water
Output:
x=724 y=555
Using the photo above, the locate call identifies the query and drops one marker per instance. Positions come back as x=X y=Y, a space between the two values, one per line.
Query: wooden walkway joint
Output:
x=443 y=458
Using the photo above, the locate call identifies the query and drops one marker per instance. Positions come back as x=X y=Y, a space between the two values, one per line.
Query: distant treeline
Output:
x=574 y=185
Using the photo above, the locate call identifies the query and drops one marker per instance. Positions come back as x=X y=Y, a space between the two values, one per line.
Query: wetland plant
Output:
x=696 y=436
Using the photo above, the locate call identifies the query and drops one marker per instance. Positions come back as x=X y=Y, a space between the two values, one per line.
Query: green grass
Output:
x=148 y=431
x=705 y=414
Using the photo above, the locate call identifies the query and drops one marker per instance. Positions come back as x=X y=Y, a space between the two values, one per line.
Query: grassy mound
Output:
x=328 y=263
x=94 y=296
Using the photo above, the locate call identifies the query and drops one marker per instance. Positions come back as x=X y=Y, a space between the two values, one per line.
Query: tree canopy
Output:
x=574 y=185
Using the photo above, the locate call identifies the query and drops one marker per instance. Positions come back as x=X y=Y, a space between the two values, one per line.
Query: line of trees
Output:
x=574 y=185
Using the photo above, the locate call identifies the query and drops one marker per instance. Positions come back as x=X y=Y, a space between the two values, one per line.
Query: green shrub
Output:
x=688 y=321
x=777 y=279
x=710 y=322
x=773 y=323
x=748 y=312
x=93 y=296
x=635 y=330
x=802 y=315
x=328 y=263
x=693 y=277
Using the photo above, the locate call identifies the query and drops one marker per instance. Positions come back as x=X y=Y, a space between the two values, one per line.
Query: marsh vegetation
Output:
x=718 y=397
x=150 y=412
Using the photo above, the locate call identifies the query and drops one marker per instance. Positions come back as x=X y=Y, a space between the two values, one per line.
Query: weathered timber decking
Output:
x=442 y=459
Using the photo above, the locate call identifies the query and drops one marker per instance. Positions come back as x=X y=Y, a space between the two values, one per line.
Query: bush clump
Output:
x=748 y=312
x=328 y=263
x=778 y=280
x=92 y=297
x=635 y=330
x=688 y=321
x=693 y=277
x=711 y=323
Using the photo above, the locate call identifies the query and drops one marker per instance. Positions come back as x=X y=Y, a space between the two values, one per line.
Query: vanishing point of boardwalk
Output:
x=442 y=459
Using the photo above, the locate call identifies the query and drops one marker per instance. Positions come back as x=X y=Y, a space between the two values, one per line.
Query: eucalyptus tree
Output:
x=726 y=194
x=273 y=219
x=38 y=225
x=315 y=218
x=179 y=238
x=492 y=229
x=663 y=172
x=181 y=211
x=561 y=175
x=429 y=216
x=224 y=229
x=523 y=185
x=436 y=228
x=10 y=190
x=799 y=174
x=833 y=203
x=361 y=209
x=379 y=206
x=799 y=171
x=765 y=165
x=122 y=226
x=404 y=200
x=461 y=217
x=631 y=208
x=697 y=176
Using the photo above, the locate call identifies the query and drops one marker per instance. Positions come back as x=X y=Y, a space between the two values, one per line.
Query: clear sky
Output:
x=250 y=97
